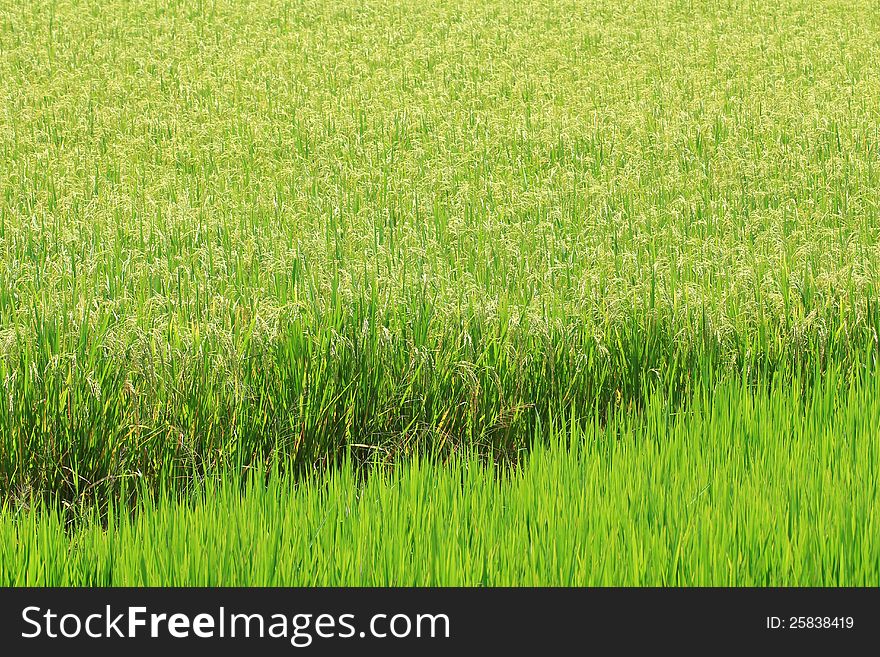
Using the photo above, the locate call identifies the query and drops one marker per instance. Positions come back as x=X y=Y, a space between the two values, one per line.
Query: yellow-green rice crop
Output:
x=276 y=234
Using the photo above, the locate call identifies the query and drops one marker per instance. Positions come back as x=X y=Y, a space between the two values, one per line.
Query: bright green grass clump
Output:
x=767 y=489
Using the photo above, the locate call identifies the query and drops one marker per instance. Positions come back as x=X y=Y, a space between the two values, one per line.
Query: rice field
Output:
x=435 y=292
x=743 y=490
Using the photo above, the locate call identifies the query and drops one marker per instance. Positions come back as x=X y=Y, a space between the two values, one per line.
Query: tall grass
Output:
x=590 y=290
x=233 y=234
x=777 y=488
x=84 y=427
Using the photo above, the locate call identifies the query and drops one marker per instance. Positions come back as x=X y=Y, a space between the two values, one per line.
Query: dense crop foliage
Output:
x=230 y=230
x=280 y=234
x=769 y=490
